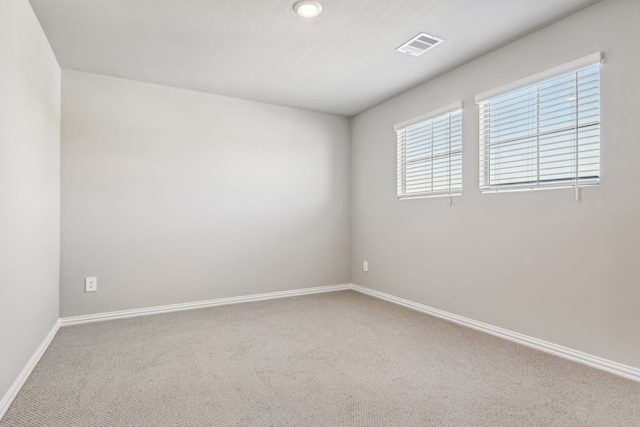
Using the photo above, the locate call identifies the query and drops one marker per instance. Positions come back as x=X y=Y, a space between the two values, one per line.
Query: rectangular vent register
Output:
x=419 y=44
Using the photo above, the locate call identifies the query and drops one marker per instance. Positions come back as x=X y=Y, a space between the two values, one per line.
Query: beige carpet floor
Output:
x=334 y=359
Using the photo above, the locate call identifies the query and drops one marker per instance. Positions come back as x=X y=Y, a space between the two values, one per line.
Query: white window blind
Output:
x=543 y=135
x=430 y=154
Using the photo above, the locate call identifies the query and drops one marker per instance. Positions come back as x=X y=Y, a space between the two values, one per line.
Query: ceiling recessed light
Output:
x=308 y=9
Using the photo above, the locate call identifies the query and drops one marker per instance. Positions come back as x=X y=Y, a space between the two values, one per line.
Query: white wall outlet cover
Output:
x=90 y=284
x=365 y=266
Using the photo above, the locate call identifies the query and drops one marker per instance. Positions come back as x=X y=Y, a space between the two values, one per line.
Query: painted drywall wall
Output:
x=172 y=196
x=537 y=263
x=29 y=188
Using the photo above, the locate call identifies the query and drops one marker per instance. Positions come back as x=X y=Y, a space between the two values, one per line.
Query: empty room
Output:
x=319 y=213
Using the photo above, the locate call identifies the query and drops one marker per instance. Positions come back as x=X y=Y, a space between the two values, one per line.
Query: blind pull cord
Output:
x=577 y=134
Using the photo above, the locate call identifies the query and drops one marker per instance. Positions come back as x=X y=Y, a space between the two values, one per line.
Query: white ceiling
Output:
x=343 y=61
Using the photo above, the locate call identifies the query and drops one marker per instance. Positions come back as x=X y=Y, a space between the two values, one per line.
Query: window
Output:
x=430 y=154
x=544 y=132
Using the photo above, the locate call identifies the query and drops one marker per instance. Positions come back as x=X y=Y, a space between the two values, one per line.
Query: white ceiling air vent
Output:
x=419 y=44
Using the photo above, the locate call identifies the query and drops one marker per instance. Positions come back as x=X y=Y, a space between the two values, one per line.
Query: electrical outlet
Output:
x=90 y=284
x=365 y=266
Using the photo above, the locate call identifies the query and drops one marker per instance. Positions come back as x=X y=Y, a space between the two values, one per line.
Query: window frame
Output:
x=534 y=83
x=454 y=149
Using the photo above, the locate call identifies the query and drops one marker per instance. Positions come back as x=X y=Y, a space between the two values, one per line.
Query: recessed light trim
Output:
x=419 y=44
x=308 y=9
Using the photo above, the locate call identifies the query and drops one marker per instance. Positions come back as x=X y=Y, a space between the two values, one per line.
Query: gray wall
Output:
x=172 y=196
x=538 y=263
x=29 y=188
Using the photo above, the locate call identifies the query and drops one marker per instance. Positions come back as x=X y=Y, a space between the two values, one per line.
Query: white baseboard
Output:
x=76 y=320
x=555 y=349
x=13 y=391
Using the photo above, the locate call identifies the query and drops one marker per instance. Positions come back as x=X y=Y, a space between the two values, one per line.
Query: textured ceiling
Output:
x=343 y=61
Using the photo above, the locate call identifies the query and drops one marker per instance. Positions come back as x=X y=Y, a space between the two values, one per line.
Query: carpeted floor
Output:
x=334 y=359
